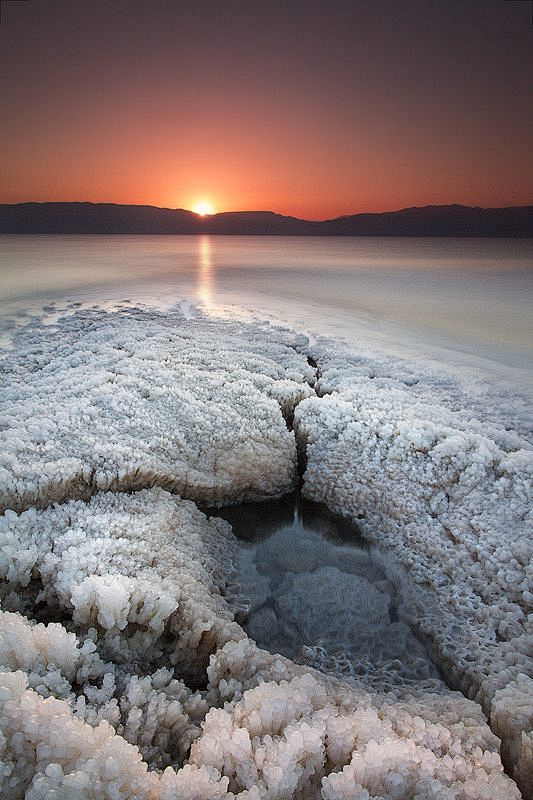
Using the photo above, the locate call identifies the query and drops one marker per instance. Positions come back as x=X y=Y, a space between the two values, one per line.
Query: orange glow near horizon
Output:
x=338 y=111
x=203 y=208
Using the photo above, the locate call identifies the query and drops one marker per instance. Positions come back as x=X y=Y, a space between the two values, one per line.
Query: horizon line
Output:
x=263 y=211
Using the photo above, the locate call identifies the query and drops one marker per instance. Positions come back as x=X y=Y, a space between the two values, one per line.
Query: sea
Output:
x=460 y=303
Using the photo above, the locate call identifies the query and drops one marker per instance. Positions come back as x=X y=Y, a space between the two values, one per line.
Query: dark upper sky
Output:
x=303 y=107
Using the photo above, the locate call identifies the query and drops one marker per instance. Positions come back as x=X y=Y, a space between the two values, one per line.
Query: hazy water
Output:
x=469 y=297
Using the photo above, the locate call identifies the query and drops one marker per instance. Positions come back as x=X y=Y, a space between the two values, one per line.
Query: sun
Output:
x=203 y=207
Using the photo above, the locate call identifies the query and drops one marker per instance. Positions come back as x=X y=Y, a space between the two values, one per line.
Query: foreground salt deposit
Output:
x=123 y=671
x=449 y=496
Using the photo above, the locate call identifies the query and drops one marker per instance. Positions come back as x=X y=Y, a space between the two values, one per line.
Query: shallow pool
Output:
x=316 y=592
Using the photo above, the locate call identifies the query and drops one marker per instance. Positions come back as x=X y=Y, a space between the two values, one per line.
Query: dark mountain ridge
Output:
x=111 y=218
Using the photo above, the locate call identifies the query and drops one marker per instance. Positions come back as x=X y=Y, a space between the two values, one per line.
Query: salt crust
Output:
x=83 y=711
x=291 y=736
x=448 y=498
x=141 y=575
x=134 y=399
x=74 y=723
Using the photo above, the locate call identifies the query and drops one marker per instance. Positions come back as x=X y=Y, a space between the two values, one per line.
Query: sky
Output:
x=313 y=109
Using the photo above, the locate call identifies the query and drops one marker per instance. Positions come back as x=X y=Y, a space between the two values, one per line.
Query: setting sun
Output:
x=203 y=207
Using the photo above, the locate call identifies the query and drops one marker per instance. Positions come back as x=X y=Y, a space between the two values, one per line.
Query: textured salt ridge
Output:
x=129 y=400
x=74 y=723
x=141 y=575
x=448 y=497
x=502 y=406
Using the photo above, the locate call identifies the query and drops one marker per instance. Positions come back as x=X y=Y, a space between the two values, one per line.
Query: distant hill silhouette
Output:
x=451 y=220
x=94 y=218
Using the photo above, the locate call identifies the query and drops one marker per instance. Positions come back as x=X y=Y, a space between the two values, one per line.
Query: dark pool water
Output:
x=316 y=593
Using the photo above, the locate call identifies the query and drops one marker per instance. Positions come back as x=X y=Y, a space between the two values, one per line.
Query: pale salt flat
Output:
x=125 y=673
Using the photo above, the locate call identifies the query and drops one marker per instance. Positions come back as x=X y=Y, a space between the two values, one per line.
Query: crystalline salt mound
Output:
x=128 y=401
x=264 y=725
x=297 y=736
x=137 y=569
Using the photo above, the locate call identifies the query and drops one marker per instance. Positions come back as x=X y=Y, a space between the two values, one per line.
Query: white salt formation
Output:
x=294 y=736
x=448 y=497
x=70 y=720
x=123 y=673
x=132 y=400
x=141 y=575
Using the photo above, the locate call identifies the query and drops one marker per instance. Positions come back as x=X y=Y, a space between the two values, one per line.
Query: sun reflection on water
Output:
x=205 y=270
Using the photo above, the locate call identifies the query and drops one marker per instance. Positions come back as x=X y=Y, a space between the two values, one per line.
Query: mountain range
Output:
x=111 y=218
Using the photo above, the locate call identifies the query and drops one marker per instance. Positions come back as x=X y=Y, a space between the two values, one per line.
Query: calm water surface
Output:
x=469 y=297
x=313 y=590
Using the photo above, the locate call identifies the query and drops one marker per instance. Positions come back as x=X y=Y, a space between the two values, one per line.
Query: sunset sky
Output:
x=308 y=108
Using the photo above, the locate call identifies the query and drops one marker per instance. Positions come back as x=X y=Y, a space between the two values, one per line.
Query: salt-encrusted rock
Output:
x=44 y=747
x=447 y=496
x=51 y=656
x=296 y=735
x=511 y=718
x=145 y=572
x=264 y=728
x=284 y=732
x=156 y=712
x=139 y=578
x=124 y=401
